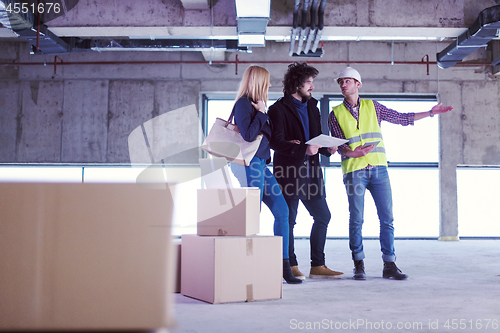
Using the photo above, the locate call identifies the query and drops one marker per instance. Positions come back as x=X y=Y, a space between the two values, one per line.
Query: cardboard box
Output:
x=85 y=257
x=177 y=280
x=228 y=212
x=232 y=269
x=215 y=172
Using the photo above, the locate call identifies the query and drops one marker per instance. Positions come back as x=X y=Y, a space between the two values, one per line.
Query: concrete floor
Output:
x=453 y=287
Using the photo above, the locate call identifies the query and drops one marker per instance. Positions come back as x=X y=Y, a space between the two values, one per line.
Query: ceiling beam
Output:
x=280 y=34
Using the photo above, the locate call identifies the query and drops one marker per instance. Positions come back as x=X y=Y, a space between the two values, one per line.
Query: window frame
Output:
x=324 y=107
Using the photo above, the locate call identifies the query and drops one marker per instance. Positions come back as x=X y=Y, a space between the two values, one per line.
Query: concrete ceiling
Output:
x=216 y=19
x=374 y=20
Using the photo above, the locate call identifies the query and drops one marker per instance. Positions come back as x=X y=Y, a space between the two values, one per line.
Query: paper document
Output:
x=326 y=141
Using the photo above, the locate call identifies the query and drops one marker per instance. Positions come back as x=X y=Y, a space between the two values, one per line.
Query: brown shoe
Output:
x=323 y=272
x=298 y=274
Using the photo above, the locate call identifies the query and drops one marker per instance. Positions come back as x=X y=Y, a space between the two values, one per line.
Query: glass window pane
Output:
x=41 y=174
x=477 y=202
x=418 y=143
x=218 y=108
x=108 y=174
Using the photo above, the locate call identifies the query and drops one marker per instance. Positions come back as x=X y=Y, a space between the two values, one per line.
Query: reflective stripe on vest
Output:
x=369 y=130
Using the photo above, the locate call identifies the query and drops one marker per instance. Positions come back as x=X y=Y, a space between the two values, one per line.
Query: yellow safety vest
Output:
x=369 y=130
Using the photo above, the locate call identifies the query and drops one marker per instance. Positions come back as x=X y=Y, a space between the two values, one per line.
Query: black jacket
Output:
x=296 y=179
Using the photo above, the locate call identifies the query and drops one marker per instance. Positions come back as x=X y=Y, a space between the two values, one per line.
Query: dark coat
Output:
x=290 y=159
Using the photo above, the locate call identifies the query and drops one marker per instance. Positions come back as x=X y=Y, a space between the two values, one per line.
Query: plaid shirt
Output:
x=383 y=113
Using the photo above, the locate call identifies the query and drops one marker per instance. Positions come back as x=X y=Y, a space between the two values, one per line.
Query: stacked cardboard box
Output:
x=85 y=257
x=226 y=261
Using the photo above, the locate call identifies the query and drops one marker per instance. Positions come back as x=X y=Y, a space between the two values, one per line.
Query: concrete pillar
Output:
x=9 y=92
x=84 y=133
x=39 y=128
x=450 y=154
x=131 y=103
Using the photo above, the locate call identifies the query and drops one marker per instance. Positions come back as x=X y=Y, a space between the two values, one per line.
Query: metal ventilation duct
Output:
x=12 y=20
x=157 y=45
x=48 y=43
x=26 y=27
x=484 y=29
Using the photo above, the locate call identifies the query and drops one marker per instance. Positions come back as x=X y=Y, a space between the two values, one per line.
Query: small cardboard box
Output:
x=85 y=257
x=228 y=212
x=232 y=269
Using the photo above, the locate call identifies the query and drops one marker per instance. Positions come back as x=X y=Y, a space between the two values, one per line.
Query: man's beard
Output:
x=303 y=96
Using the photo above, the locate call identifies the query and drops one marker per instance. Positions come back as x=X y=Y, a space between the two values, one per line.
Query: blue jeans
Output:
x=376 y=180
x=258 y=175
x=318 y=209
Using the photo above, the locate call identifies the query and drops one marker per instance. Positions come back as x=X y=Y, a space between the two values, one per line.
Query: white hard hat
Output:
x=350 y=72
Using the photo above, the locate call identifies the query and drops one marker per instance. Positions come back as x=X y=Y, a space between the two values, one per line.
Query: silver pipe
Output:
x=312 y=24
x=302 y=38
x=316 y=40
x=295 y=30
x=310 y=39
x=294 y=33
x=321 y=13
x=304 y=31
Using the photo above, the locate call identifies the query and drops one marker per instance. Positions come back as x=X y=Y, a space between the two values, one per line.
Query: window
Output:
x=407 y=144
x=221 y=108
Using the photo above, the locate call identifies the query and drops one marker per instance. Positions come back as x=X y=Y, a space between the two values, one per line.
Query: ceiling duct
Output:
x=307 y=32
x=46 y=41
x=484 y=29
x=158 y=45
x=26 y=26
x=12 y=20
x=252 y=18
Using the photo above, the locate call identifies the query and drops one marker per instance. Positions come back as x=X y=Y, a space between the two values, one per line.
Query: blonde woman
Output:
x=251 y=118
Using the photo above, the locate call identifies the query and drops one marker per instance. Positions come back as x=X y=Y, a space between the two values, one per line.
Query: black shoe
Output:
x=359 y=270
x=287 y=273
x=392 y=271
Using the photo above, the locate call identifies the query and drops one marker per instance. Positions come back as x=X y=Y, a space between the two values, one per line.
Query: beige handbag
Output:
x=225 y=140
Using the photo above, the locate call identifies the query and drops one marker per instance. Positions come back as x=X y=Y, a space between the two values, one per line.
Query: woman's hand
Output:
x=259 y=106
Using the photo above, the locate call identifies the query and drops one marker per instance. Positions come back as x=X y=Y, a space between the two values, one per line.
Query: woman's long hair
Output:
x=254 y=84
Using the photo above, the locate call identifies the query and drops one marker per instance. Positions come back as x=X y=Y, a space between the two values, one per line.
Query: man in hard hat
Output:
x=364 y=165
x=295 y=119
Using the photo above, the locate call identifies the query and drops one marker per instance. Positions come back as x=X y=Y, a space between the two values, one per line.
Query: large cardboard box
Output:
x=228 y=211
x=85 y=257
x=232 y=269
